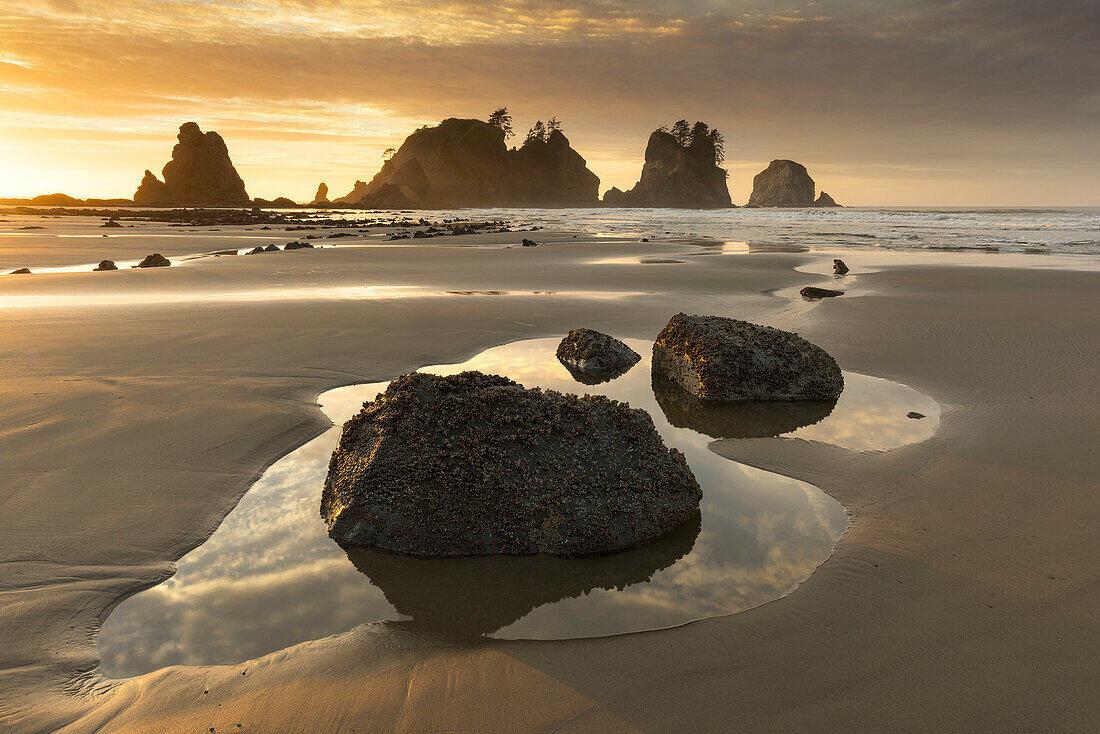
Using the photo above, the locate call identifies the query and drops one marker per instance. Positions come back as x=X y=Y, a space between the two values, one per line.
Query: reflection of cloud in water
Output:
x=270 y=577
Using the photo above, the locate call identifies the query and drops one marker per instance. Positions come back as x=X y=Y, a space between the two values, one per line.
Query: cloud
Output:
x=895 y=83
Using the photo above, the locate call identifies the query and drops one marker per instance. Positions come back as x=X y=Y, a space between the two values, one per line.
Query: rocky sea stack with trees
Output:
x=466 y=163
x=681 y=170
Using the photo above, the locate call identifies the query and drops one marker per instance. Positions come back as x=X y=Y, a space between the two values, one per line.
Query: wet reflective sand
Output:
x=269 y=577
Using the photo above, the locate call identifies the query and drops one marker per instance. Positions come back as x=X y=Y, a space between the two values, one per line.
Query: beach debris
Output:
x=914 y=415
x=475 y=464
x=156 y=260
x=839 y=268
x=593 y=357
x=298 y=245
x=812 y=293
x=725 y=360
x=105 y=265
x=21 y=271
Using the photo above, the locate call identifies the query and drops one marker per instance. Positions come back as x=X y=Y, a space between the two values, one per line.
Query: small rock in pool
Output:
x=21 y=271
x=915 y=415
x=476 y=465
x=105 y=265
x=156 y=260
x=725 y=360
x=812 y=293
x=839 y=268
x=592 y=357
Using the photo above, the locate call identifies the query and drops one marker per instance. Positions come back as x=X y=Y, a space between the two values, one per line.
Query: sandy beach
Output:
x=137 y=407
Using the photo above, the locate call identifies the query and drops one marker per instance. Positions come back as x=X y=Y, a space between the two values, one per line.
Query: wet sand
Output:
x=964 y=596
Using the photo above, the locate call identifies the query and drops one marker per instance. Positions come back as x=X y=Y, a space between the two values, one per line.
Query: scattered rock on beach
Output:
x=111 y=223
x=475 y=464
x=839 y=268
x=21 y=271
x=156 y=260
x=813 y=293
x=298 y=246
x=914 y=415
x=105 y=265
x=724 y=360
x=529 y=243
x=592 y=357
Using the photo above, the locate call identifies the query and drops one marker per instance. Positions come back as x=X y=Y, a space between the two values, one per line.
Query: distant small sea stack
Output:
x=786 y=183
x=200 y=173
x=681 y=170
x=321 y=197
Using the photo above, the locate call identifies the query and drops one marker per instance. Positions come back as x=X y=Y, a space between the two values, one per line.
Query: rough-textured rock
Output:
x=200 y=172
x=824 y=200
x=475 y=464
x=675 y=175
x=725 y=360
x=465 y=163
x=105 y=265
x=741 y=419
x=839 y=268
x=593 y=357
x=782 y=183
x=299 y=245
x=478 y=596
x=321 y=197
x=914 y=415
x=156 y=260
x=813 y=293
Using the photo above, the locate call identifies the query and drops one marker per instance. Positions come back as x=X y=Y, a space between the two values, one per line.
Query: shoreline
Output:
x=259 y=392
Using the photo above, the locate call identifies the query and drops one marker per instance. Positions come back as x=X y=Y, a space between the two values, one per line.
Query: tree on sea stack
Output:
x=500 y=118
x=682 y=132
x=536 y=133
x=388 y=153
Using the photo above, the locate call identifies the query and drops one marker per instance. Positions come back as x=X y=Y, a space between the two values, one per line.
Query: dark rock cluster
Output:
x=475 y=464
x=724 y=360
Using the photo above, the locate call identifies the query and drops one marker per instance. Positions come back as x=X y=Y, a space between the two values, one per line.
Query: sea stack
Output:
x=321 y=197
x=465 y=163
x=200 y=173
x=678 y=172
x=786 y=183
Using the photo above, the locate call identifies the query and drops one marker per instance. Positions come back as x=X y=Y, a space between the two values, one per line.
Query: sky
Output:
x=897 y=102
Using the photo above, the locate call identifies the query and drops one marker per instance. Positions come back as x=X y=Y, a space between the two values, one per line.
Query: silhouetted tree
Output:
x=500 y=118
x=553 y=125
x=537 y=132
x=700 y=131
x=388 y=153
x=682 y=132
x=718 y=141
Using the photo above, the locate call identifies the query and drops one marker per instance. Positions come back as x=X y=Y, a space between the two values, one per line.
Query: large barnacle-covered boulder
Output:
x=475 y=464
x=725 y=360
x=593 y=357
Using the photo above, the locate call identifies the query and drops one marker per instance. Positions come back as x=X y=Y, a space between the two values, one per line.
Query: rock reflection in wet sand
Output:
x=270 y=577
